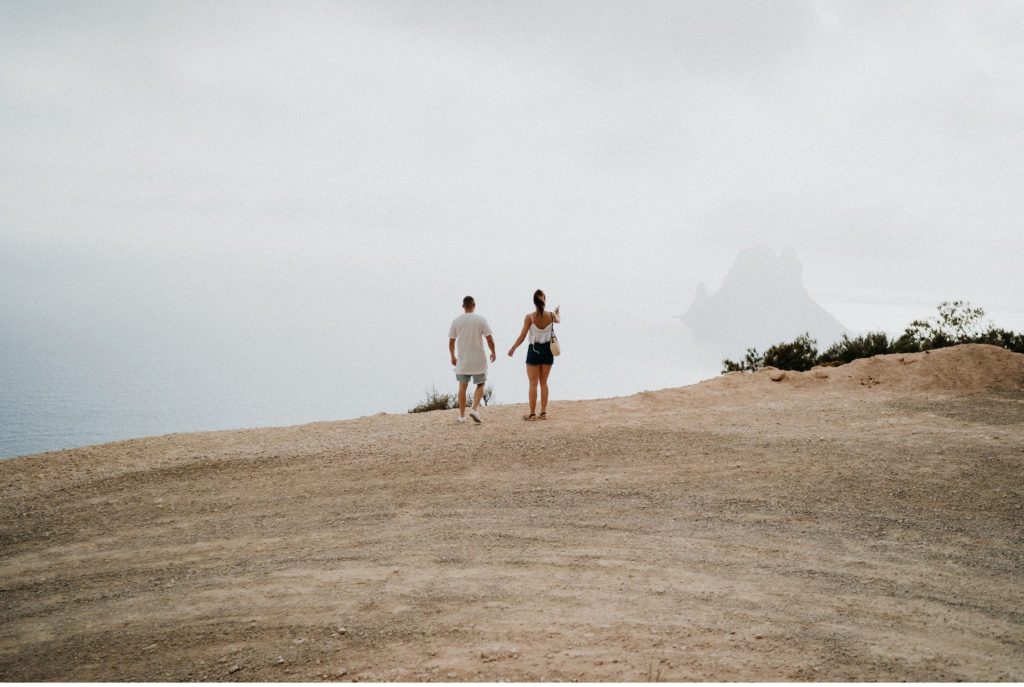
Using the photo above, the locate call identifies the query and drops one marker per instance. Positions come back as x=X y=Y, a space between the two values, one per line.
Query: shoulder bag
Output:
x=556 y=348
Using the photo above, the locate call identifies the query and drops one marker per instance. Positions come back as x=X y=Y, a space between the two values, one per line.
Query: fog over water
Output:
x=245 y=214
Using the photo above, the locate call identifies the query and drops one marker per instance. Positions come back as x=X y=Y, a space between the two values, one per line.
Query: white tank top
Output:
x=538 y=335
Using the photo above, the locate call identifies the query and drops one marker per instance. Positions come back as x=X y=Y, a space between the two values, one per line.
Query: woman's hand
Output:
x=511 y=351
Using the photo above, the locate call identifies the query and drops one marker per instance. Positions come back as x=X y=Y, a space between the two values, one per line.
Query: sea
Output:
x=71 y=378
x=63 y=385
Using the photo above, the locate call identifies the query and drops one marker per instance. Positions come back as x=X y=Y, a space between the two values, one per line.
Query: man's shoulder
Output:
x=464 y=320
x=469 y=318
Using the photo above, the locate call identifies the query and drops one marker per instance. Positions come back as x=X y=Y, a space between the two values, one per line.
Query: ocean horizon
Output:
x=63 y=387
x=67 y=390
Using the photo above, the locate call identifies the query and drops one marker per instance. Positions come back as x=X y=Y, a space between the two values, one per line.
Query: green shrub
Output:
x=957 y=322
x=753 y=362
x=1013 y=341
x=912 y=339
x=800 y=354
x=847 y=350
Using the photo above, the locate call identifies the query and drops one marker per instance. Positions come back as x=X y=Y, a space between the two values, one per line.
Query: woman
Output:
x=539 y=324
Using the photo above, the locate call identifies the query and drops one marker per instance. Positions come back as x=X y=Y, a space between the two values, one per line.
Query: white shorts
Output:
x=477 y=379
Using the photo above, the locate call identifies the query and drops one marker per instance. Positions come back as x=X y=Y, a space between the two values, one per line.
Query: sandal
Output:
x=543 y=416
x=531 y=417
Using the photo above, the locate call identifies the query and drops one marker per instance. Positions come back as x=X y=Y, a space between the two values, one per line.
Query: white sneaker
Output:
x=462 y=419
x=475 y=414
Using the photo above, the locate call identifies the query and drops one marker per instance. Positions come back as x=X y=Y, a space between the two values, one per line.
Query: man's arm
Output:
x=451 y=351
x=490 y=344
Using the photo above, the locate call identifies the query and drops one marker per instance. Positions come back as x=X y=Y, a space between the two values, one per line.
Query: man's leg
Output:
x=477 y=395
x=462 y=398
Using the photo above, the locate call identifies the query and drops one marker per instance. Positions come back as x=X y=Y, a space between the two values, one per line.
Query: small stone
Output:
x=280 y=660
x=235 y=668
x=340 y=672
x=777 y=375
x=758 y=636
x=341 y=630
x=452 y=675
x=150 y=647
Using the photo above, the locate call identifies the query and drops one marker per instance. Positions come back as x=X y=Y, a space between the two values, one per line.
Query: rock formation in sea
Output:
x=762 y=301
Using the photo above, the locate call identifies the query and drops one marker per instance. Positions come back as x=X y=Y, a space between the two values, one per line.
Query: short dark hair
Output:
x=468 y=301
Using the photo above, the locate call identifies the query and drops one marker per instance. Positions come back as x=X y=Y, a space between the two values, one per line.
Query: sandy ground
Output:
x=853 y=523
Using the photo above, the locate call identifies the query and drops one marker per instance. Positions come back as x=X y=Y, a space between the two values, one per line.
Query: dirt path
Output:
x=859 y=526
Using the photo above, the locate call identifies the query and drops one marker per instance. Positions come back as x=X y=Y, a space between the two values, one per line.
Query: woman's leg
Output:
x=533 y=373
x=545 y=370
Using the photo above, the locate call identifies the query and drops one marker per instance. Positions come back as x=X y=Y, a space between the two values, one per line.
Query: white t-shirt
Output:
x=468 y=331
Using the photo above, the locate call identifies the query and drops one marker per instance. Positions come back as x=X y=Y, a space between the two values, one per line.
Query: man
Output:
x=468 y=330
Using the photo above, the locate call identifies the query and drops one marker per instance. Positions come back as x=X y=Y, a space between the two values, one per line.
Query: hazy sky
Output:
x=348 y=170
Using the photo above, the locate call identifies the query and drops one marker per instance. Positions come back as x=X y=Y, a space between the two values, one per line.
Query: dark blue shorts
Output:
x=539 y=354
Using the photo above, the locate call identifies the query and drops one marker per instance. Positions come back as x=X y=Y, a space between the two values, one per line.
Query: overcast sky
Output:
x=187 y=160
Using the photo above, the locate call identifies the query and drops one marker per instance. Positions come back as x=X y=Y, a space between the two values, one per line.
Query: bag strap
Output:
x=533 y=319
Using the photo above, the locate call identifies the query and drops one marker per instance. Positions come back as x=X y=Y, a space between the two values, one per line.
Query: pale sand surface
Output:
x=866 y=525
